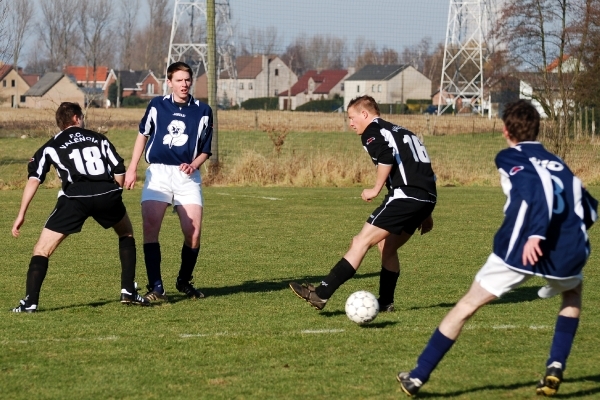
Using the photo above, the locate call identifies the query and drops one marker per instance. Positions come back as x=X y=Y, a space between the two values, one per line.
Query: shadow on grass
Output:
x=93 y=304
x=594 y=378
x=518 y=295
x=256 y=286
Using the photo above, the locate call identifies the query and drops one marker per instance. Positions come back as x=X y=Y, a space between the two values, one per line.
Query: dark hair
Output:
x=178 y=66
x=65 y=113
x=366 y=102
x=522 y=121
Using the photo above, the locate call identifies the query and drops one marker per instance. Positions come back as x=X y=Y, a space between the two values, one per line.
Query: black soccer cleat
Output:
x=549 y=384
x=307 y=292
x=386 y=307
x=188 y=288
x=154 y=296
x=409 y=385
x=133 y=299
x=23 y=307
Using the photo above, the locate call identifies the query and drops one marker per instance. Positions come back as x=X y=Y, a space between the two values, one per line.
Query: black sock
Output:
x=189 y=257
x=152 y=258
x=128 y=260
x=38 y=266
x=387 y=286
x=340 y=273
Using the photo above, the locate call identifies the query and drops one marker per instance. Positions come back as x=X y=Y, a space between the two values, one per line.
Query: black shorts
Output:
x=401 y=214
x=71 y=212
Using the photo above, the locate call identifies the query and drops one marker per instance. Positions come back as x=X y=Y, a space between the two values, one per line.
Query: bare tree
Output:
x=4 y=31
x=260 y=41
x=541 y=35
x=21 y=18
x=319 y=52
x=157 y=34
x=127 y=22
x=587 y=87
x=57 y=32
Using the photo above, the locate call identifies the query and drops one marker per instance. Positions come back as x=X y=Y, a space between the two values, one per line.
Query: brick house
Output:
x=314 y=85
x=143 y=84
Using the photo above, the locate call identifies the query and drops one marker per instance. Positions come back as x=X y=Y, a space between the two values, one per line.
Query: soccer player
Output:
x=176 y=133
x=92 y=173
x=543 y=234
x=404 y=167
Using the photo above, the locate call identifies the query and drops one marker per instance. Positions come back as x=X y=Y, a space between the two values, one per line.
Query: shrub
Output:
x=322 y=105
x=261 y=103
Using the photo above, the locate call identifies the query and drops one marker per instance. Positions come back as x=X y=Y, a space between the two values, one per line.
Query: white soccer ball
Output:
x=362 y=307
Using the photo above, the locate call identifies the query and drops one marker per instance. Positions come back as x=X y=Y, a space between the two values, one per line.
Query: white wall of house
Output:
x=12 y=88
x=63 y=90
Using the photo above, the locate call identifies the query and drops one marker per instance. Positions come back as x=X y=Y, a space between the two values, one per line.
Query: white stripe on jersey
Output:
x=152 y=116
x=201 y=129
x=387 y=135
x=54 y=155
x=517 y=228
x=546 y=179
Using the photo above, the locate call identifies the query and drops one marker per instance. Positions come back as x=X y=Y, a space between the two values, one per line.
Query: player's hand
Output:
x=17 y=225
x=426 y=225
x=532 y=251
x=187 y=169
x=369 y=194
x=130 y=178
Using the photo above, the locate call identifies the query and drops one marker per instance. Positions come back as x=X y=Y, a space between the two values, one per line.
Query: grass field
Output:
x=251 y=338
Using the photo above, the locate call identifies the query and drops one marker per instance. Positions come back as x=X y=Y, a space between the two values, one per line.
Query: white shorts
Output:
x=166 y=183
x=497 y=278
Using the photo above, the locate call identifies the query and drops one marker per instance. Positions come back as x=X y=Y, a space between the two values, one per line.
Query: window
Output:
x=150 y=88
x=4 y=83
x=250 y=86
x=276 y=71
x=276 y=92
x=379 y=88
x=342 y=87
x=13 y=83
x=357 y=88
x=241 y=85
x=373 y=88
x=22 y=99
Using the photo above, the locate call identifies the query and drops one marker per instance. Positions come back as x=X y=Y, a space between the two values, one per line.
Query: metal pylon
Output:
x=465 y=51
x=188 y=40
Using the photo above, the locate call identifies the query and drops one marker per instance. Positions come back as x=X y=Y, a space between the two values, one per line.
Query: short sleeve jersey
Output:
x=176 y=133
x=79 y=156
x=390 y=144
x=543 y=199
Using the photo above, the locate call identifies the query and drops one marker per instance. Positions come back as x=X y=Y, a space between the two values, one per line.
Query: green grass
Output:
x=247 y=339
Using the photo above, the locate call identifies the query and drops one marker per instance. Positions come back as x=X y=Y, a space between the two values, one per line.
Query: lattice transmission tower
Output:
x=465 y=53
x=188 y=41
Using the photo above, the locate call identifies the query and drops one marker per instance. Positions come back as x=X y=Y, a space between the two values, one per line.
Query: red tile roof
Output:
x=86 y=74
x=324 y=80
x=554 y=64
x=31 y=79
x=4 y=70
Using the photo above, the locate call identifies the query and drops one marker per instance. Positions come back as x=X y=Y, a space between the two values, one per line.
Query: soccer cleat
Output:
x=188 y=288
x=549 y=384
x=133 y=298
x=409 y=385
x=386 y=308
x=307 y=292
x=24 y=308
x=154 y=297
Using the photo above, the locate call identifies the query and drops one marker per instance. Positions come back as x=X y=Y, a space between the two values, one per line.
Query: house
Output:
x=255 y=76
x=143 y=84
x=52 y=89
x=388 y=84
x=85 y=77
x=12 y=88
x=314 y=85
x=569 y=64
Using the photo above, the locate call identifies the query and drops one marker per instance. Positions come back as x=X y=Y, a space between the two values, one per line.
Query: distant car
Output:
x=431 y=109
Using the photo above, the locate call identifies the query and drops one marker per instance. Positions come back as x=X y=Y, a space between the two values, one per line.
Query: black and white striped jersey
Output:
x=390 y=144
x=81 y=157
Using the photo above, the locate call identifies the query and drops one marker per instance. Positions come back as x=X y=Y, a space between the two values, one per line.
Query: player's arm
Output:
x=120 y=179
x=28 y=194
x=138 y=150
x=383 y=171
x=426 y=225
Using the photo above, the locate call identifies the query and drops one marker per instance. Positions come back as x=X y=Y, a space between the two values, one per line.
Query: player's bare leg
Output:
x=390 y=269
x=190 y=219
x=153 y=213
x=564 y=334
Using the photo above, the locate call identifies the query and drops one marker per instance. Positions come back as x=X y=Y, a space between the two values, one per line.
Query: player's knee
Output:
x=126 y=241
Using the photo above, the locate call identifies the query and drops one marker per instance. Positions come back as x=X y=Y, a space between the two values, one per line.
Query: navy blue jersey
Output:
x=390 y=144
x=546 y=200
x=176 y=134
x=85 y=161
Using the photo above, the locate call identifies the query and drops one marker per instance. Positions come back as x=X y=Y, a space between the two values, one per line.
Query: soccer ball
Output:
x=362 y=307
